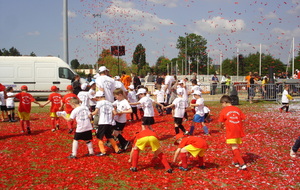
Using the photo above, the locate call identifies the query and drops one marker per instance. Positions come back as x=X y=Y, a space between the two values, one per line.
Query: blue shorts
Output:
x=198 y=119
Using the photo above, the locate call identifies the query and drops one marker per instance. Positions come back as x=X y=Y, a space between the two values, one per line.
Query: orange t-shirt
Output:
x=55 y=99
x=126 y=80
x=195 y=141
x=25 y=101
x=232 y=117
x=247 y=78
x=66 y=101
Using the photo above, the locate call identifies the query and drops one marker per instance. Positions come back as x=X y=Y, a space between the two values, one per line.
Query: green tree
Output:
x=75 y=64
x=139 y=58
x=11 y=52
x=162 y=64
x=296 y=63
x=32 y=54
x=192 y=48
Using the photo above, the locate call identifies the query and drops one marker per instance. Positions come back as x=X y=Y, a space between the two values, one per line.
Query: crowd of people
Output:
x=104 y=105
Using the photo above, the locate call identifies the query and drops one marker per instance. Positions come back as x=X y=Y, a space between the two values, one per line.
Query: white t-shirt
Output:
x=168 y=82
x=108 y=84
x=146 y=103
x=84 y=97
x=132 y=97
x=284 y=98
x=200 y=108
x=160 y=95
x=2 y=99
x=119 y=84
x=10 y=103
x=121 y=106
x=185 y=95
x=81 y=114
x=206 y=109
x=105 y=112
x=92 y=94
x=180 y=105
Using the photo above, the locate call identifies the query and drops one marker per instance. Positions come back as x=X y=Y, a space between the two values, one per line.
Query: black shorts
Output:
x=119 y=126
x=92 y=108
x=86 y=136
x=148 y=120
x=3 y=108
x=10 y=108
x=134 y=109
x=104 y=130
x=178 y=120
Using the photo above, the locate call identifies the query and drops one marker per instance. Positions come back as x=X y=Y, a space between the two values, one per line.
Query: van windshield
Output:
x=65 y=73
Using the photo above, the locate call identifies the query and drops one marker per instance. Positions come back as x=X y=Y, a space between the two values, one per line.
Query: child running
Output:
x=285 y=99
x=233 y=118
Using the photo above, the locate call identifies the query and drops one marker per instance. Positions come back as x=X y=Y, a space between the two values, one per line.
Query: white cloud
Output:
x=147 y=21
x=168 y=3
x=286 y=34
x=218 y=25
x=296 y=9
x=35 y=33
x=271 y=15
x=71 y=14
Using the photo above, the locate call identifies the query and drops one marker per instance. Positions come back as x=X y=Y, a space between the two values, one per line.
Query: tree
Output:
x=32 y=54
x=296 y=63
x=162 y=65
x=139 y=58
x=14 y=52
x=192 y=48
x=75 y=64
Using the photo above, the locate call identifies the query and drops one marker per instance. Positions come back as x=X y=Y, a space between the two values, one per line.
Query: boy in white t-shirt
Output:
x=160 y=98
x=131 y=96
x=122 y=107
x=10 y=104
x=104 y=111
x=84 y=96
x=83 y=128
x=179 y=105
x=199 y=115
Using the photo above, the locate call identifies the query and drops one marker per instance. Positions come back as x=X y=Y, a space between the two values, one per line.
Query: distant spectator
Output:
x=76 y=84
x=136 y=80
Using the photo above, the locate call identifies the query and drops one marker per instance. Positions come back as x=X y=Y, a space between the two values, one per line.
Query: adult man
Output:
x=106 y=83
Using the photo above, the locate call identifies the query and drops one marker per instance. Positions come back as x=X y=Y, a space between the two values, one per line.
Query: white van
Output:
x=38 y=73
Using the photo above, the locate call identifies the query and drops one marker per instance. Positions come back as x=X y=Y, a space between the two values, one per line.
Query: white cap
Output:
x=181 y=82
x=117 y=78
x=131 y=87
x=197 y=92
x=179 y=91
x=141 y=91
x=103 y=68
x=83 y=86
x=91 y=83
x=99 y=94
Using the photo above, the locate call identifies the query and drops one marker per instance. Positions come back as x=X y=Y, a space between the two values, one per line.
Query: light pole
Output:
x=97 y=15
x=186 y=56
x=65 y=31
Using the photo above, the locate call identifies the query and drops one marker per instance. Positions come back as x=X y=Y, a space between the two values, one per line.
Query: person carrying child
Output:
x=25 y=108
x=196 y=146
x=231 y=117
x=82 y=115
x=143 y=139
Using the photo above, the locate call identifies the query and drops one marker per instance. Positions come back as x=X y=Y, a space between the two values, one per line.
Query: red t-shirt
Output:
x=195 y=141
x=2 y=87
x=66 y=101
x=144 y=133
x=25 y=101
x=232 y=117
x=55 y=99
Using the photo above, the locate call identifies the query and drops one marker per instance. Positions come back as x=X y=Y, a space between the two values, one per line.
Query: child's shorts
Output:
x=87 y=135
x=9 y=108
x=24 y=116
x=151 y=141
x=119 y=126
x=148 y=121
x=234 y=141
x=134 y=109
x=198 y=119
x=3 y=108
x=104 y=130
x=195 y=151
x=53 y=114
x=177 y=120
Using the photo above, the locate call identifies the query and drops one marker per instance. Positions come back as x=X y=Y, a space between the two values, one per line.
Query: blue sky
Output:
x=228 y=25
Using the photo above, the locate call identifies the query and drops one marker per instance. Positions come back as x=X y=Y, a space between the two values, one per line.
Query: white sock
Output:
x=74 y=147
x=90 y=147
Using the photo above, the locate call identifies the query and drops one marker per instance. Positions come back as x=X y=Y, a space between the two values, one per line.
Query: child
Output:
x=83 y=128
x=207 y=114
x=67 y=106
x=285 y=99
x=295 y=148
x=122 y=107
x=147 y=138
x=146 y=103
x=10 y=104
x=55 y=99
x=233 y=117
x=132 y=98
x=104 y=109
x=160 y=98
x=196 y=146
x=92 y=93
x=179 y=105
x=25 y=107
x=3 y=108
x=199 y=115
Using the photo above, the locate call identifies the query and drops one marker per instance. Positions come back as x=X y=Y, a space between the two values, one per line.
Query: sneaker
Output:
x=88 y=154
x=183 y=169
x=236 y=165
x=28 y=130
x=243 y=167
x=53 y=130
x=186 y=133
x=101 y=154
x=280 y=109
x=72 y=157
x=70 y=131
x=170 y=171
x=133 y=169
x=293 y=154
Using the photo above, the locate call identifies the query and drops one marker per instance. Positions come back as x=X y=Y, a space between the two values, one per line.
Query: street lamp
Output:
x=97 y=15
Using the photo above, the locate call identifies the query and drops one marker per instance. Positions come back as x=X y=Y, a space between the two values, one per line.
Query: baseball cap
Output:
x=103 y=68
x=141 y=91
x=197 y=92
x=24 y=87
x=181 y=82
x=54 y=88
x=83 y=86
x=131 y=86
x=179 y=91
x=178 y=136
x=117 y=78
x=69 y=87
x=99 y=94
x=91 y=83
